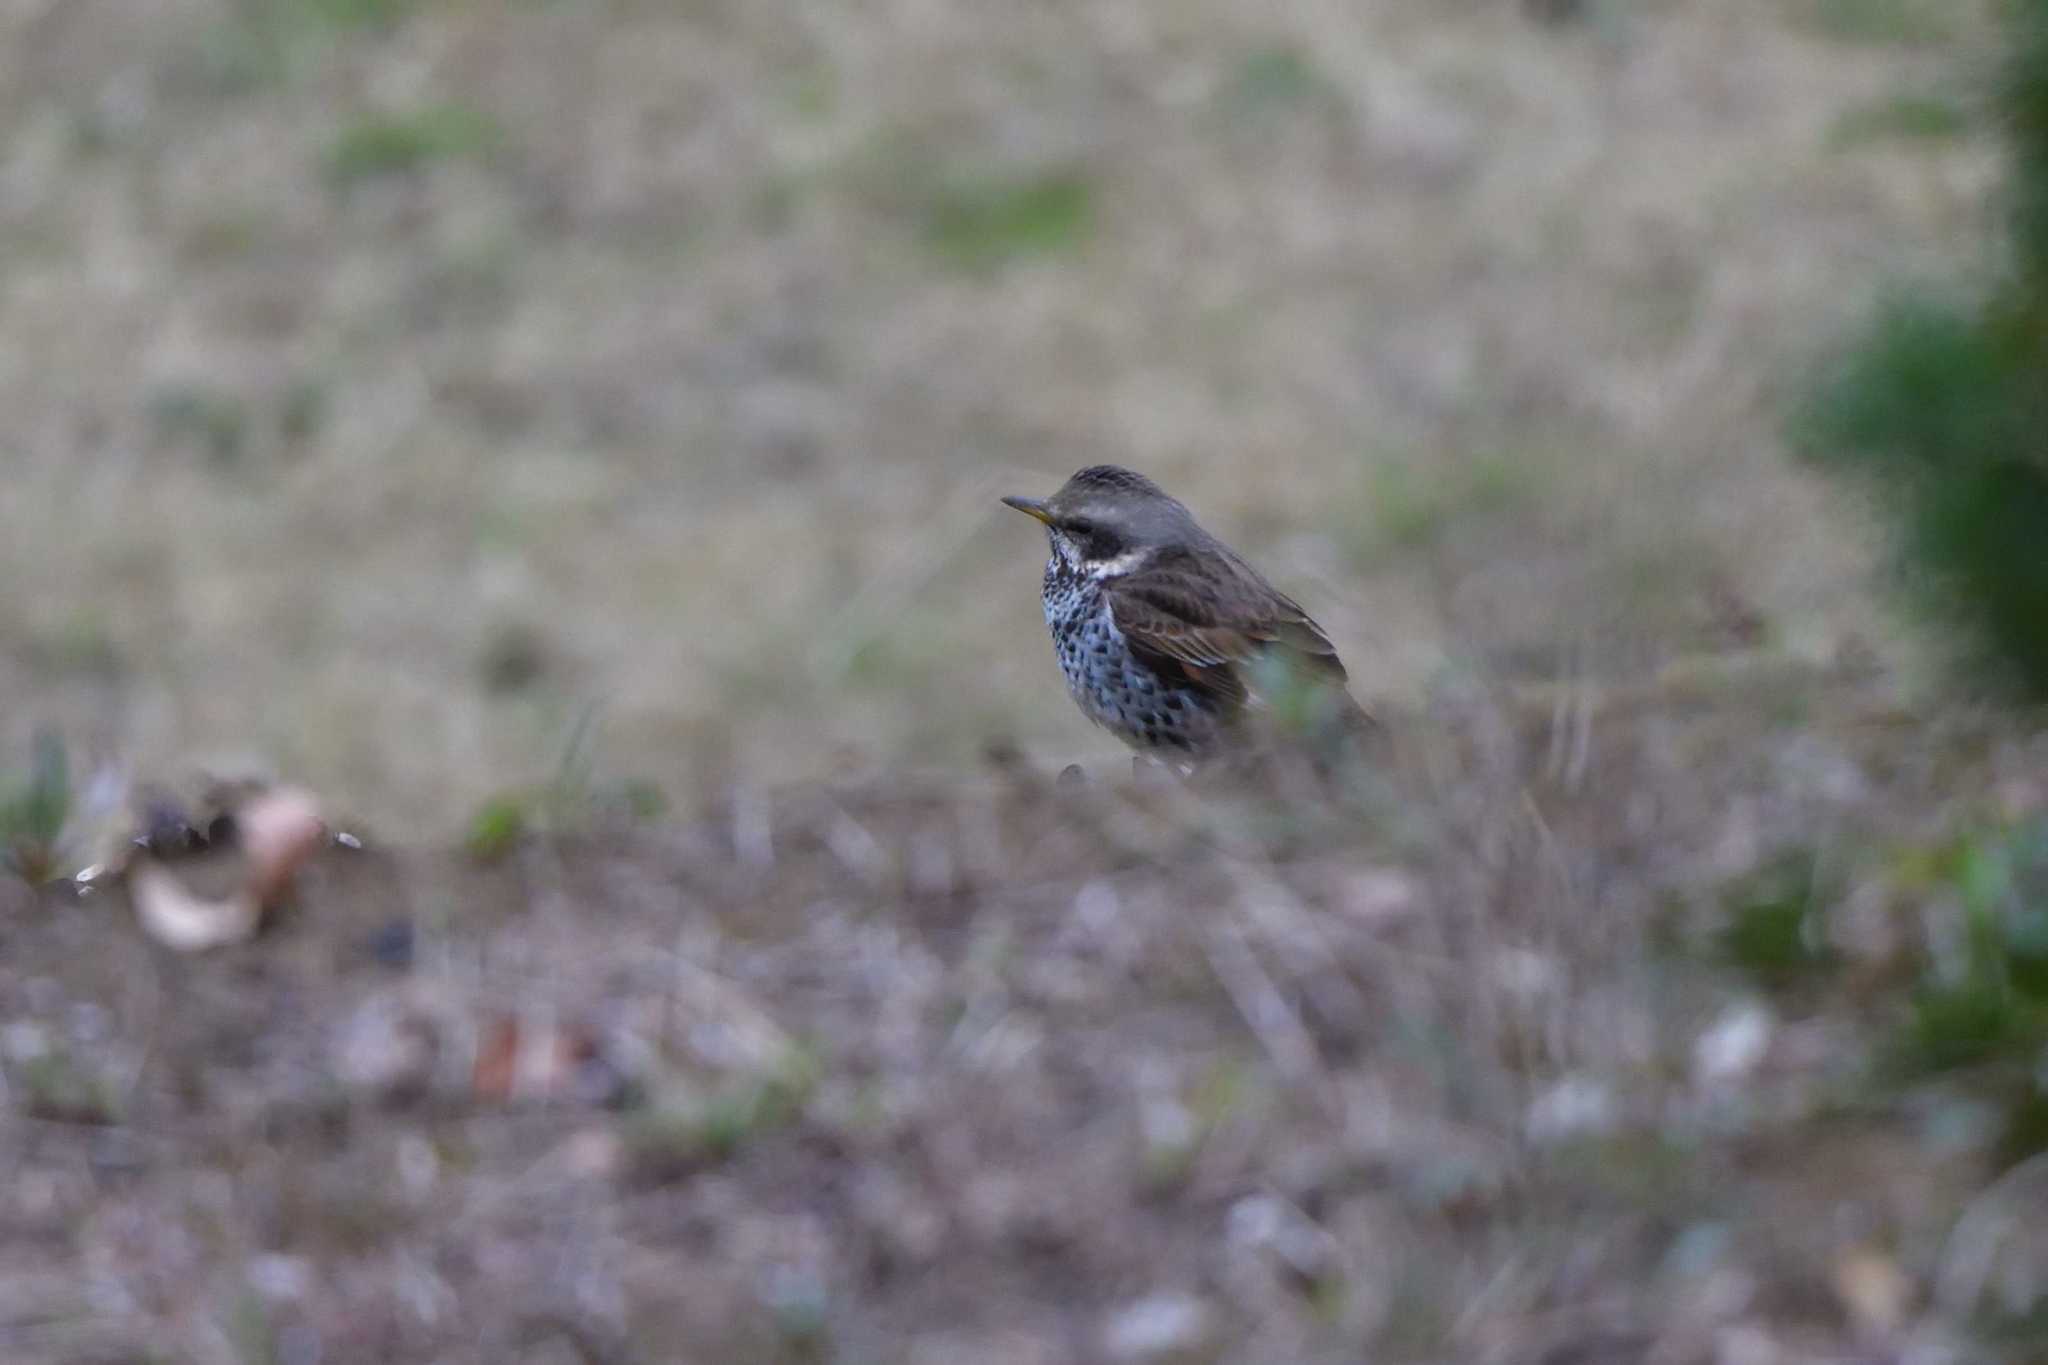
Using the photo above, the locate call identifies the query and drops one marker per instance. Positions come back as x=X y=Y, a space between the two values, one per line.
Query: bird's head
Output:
x=1108 y=520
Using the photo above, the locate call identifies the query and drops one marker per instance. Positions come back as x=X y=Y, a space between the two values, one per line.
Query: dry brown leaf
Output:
x=528 y=1059
x=278 y=830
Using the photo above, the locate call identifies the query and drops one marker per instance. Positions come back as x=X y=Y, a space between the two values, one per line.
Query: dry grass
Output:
x=689 y=345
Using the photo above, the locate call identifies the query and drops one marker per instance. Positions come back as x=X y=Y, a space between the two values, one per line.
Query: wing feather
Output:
x=1206 y=618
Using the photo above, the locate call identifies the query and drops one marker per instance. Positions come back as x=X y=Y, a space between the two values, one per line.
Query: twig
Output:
x=1266 y=1012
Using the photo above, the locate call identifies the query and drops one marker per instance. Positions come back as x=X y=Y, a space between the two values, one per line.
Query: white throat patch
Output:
x=1119 y=566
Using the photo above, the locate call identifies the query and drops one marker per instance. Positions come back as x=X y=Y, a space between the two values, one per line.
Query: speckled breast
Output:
x=1107 y=681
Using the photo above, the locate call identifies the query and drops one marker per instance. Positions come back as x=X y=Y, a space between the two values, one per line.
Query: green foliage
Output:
x=1934 y=388
x=668 y=1143
x=1991 y=1003
x=34 y=810
x=982 y=222
x=1272 y=77
x=1912 y=118
x=63 y=1088
x=1939 y=409
x=1970 y=1021
x=1879 y=21
x=497 y=826
x=1977 y=1015
x=2022 y=106
x=392 y=144
x=573 y=799
x=1772 y=930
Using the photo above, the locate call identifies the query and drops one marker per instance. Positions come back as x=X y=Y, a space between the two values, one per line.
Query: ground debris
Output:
x=1150 y=1073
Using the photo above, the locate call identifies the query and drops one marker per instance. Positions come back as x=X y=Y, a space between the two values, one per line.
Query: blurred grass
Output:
x=265 y=43
x=1881 y=21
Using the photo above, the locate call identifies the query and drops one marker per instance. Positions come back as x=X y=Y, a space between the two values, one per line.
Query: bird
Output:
x=1167 y=637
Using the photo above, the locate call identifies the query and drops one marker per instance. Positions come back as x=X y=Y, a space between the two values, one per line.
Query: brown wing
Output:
x=1206 y=617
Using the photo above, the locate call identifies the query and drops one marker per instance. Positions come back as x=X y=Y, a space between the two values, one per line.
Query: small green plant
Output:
x=1271 y=77
x=981 y=222
x=1961 y=1024
x=214 y=421
x=1773 y=929
x=1989 y=1003
x=572 y=799
x=57 y=1086
x=34 y=811
x=498 y=825
x=1902 y=118
x=667 y=1143
x=394 y=144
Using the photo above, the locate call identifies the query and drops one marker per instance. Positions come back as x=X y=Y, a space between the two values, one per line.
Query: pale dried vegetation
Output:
x=411 y=391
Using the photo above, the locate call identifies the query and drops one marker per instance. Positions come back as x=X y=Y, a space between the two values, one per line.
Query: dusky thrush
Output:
x=1167 y=637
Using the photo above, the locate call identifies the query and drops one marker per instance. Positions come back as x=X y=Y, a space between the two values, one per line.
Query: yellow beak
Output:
x=1031 y=507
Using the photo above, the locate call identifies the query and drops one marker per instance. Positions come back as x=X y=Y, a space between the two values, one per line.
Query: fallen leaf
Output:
x=530 y=1059
x=176 y=918
x=280 y=829
x=276 y=831
x=1874 y=1292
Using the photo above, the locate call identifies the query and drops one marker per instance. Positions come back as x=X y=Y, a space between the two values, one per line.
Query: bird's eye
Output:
x=1079 y=527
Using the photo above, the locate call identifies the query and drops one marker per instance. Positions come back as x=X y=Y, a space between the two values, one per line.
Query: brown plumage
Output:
x=1166 y=635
